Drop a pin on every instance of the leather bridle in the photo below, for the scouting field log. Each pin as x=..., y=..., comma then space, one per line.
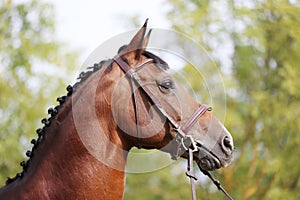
x=185, y=142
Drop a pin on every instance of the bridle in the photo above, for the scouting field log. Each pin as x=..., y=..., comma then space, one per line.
x=185, y=142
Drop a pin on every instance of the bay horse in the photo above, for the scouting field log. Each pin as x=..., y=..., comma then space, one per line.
x=120, y=103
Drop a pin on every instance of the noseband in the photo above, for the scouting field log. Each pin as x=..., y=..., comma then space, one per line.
x=184, y=141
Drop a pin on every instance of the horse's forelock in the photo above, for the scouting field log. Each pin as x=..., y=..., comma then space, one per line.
x=160, y=62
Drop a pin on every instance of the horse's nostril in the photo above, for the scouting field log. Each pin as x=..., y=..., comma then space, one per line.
x=227, y=142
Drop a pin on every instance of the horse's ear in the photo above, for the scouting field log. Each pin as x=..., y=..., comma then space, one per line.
x=137, y=45
x=146, y=40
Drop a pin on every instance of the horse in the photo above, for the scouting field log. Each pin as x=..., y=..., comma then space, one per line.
x=120, y=103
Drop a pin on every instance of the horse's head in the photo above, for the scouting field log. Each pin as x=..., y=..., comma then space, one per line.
x=152, y=110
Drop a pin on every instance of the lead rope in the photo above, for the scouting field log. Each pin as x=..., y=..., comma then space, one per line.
x=216, y=182
x=190, y=173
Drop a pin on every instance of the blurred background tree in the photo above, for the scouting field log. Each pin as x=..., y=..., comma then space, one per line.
x=256, y=45
x=31, y=62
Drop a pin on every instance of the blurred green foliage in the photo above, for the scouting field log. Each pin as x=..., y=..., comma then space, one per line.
x=30, y=59
x=261, y=42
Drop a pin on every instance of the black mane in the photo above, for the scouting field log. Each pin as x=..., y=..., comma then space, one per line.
x=53, y=112
x=159, y=62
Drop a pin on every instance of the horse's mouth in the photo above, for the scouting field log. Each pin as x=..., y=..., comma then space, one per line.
x=206, y=159
x=209, y=163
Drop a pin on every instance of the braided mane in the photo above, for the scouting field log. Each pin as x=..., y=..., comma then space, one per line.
x=70, y=90
x=53, y=112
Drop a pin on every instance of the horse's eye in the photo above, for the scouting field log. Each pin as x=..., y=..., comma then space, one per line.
x=166, y=85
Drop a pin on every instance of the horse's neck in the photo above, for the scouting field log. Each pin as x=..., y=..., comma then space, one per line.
x=65, y=164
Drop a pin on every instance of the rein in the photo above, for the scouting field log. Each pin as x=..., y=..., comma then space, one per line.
x=185, y=142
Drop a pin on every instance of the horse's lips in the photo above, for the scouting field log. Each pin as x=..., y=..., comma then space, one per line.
x=207, y=160
x=209, y=164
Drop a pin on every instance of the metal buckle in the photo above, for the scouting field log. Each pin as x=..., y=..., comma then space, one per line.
x=189, y=143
